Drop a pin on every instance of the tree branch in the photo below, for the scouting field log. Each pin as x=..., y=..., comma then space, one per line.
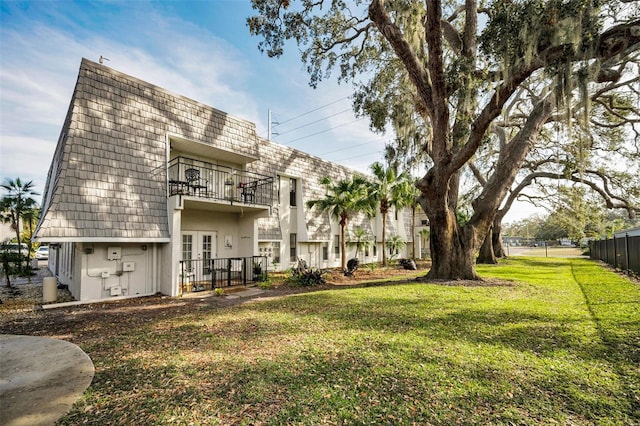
x=612, y=42
x=477, y=173
x=402, y=48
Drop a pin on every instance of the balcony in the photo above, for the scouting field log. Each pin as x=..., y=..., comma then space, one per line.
x=206, y=181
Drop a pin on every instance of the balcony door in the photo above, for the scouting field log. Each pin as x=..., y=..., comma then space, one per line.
x=198, y=248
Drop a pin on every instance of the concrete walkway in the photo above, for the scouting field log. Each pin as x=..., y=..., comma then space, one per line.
x=40, y=379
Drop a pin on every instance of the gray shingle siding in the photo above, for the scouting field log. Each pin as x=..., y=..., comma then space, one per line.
x=108, y=175
x=110, y=163
x=282, y=160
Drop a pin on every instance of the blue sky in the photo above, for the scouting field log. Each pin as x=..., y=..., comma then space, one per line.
x=199, y=49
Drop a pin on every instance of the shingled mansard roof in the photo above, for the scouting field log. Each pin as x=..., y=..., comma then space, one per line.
x=107, y=180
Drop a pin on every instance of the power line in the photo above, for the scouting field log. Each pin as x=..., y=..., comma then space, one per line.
x=322, y=131
x=357, y=156
x=313, y=110
x=314, y=122
x=351, y=147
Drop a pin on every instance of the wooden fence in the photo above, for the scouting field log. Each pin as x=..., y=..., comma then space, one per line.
x=621, y=253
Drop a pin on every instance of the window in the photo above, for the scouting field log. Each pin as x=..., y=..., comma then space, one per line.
x=325, y=251
x=279, y=201
x=336, y=245
x=276, y=251
x=375, y=249
x=292, y=192
x=292, y=247
x=207, y=251
x=207, y=247
x=187, y=249
x=366, y=251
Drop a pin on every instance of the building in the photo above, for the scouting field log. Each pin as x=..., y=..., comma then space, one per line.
x=150, y=191
x=630, y=232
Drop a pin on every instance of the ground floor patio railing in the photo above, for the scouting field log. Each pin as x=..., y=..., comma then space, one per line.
x=209, y=274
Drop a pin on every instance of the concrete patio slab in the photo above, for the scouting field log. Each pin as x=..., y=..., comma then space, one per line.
x=40, y=379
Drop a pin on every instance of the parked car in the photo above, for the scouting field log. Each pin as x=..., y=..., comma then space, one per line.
x=42, y=253
x=15, y=248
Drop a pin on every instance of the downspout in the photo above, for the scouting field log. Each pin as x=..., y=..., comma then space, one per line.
x=154, y=271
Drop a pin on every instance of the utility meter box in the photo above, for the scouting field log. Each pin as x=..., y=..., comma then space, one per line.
x=128, y=266
x=114, y=253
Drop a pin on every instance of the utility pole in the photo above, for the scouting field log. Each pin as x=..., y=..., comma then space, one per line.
x=270, y=131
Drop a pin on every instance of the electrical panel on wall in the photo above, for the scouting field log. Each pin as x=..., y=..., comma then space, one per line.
x=114, y=253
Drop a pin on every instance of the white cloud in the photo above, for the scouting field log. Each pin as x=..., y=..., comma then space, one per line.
x=40, y=66
x=40, y=63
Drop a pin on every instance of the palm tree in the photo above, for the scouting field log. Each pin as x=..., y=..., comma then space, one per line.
x=394, y=245
x=16, y=202
x=389, y=190
x=424, y=236
x=344, y=199
x=30, y=218
x=359, y=238
x=409, y=193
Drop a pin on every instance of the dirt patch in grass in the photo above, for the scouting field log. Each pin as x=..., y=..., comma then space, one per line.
x=375, y=272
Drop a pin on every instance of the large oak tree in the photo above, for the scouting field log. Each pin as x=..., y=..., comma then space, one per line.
x=447, y=71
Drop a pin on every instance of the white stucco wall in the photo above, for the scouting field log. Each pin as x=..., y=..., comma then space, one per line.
x=92, y=260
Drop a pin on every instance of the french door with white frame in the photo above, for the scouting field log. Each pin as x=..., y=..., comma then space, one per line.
x=201, y=247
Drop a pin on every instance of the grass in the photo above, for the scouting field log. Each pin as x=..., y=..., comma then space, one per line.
x=550, y=251
x=558, y=343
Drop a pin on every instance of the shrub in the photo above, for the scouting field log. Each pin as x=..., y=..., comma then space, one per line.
x=306, y=277
x=265, y=284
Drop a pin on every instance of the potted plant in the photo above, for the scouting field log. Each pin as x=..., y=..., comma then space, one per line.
x=257, y=268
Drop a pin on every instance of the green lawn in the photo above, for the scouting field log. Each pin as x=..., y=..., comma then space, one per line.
x=558, y=344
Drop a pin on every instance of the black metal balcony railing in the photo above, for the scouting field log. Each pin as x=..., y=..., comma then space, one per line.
x=208, y=274
x=204, y=180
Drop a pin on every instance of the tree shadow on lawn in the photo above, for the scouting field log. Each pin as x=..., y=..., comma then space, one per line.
x=316, y=385
x=418, y=312
x=538, y=334
x=537, y=262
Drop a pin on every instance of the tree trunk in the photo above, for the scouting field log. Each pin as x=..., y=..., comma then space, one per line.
x=413, y=231
x=452, y=247
x=384, y=240
x=6, y=268
x=486, y=256
x=450, y=256
x=496, y=238
x=343, y=246
x=17, y=223
x=29, y=243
